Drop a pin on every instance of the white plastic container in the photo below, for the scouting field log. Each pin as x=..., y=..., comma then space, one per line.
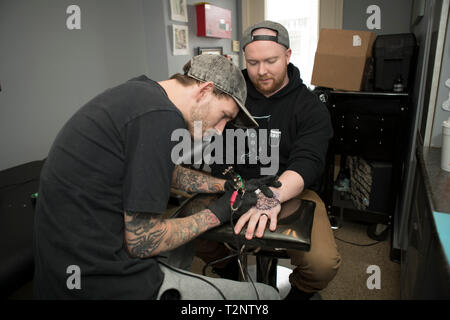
x=445, y=152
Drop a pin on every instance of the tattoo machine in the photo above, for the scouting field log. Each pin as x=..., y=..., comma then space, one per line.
x=238, y=185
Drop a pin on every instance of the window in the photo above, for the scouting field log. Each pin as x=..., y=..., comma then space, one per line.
x=301, y=19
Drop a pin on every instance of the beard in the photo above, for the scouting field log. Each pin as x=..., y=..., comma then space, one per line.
x=271, y=86
x=198, y=123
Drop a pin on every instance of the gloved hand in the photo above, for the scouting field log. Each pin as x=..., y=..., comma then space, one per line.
x=262, y=184
x=250, y=198
x=222, y=206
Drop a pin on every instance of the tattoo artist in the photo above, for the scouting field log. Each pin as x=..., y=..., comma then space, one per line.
x=106, y=183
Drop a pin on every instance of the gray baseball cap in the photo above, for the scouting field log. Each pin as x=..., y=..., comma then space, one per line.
x=282, y=36
x=226, y=78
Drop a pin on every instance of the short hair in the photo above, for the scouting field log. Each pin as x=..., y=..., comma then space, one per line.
x=186, y=81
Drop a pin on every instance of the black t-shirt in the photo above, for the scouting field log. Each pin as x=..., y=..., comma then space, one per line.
x=113, y=155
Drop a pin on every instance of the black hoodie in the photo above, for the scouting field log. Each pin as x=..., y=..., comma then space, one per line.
x=304, y=123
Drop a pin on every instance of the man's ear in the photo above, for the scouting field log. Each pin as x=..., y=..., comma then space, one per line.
x=204, y=88
x=288, y=55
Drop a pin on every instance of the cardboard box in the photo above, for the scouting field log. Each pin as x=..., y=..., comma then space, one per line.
x=341, y=58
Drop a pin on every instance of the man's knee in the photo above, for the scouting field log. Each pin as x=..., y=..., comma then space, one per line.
x=323, y=259
x=324, y=267
x=316, y=271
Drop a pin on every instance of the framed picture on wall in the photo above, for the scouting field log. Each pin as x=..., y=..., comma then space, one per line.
x=180, y=40
x=210, y=50
x=178, y=10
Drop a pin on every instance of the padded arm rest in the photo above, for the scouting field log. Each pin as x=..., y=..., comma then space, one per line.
x=293, y=231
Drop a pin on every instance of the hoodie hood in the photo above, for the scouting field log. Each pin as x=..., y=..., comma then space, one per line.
x=295, y=82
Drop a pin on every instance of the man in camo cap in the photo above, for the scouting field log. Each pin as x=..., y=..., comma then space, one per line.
x=106, y=183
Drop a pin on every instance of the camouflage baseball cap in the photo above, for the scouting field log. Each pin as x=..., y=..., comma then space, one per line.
x=282, y=36
x=226, y=78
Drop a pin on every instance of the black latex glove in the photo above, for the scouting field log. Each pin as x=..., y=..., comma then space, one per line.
x=262, y=184
x=222, y=207
x=243, y=204
x=250, y=198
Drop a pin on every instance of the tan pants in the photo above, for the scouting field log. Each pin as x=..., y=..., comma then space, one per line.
x=314, y=269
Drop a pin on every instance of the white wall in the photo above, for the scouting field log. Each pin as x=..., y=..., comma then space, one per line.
x=47, y=72
x=395, y=15
x=176, y=63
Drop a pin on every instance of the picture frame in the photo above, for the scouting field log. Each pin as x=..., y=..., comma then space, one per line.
x=210, y=50
x=180, y=40
x=178, y=10
x=235, y=59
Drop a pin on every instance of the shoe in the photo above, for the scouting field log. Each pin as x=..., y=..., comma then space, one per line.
x=297, y=294
x=171, y=294
x=230, y=271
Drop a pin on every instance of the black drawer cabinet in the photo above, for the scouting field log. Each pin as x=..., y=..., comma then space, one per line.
x=369, y=125
x=373, y=126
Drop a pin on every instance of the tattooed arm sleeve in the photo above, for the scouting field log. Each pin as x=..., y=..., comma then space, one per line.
x=193, y=181
x=147, y=236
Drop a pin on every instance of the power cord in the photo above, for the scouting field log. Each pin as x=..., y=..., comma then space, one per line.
x=236, y=252
x=239, y=256
x=239, y=187
x=194, y=276
x=217, y=261
x=357, y=244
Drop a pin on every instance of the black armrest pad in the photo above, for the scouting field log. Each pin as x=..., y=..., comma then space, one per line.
x=293, y=231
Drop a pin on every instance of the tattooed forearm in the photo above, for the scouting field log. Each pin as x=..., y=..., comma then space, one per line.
x=193, y=181
x=146, y=236
x=265, y=203
x=138, y=223
x=189, y=228
x=143, y=233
